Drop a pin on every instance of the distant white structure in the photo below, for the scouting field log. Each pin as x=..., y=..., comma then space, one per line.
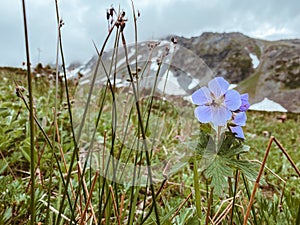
x=268, y=106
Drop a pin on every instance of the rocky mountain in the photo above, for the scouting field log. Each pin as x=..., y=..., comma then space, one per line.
x=261, y=68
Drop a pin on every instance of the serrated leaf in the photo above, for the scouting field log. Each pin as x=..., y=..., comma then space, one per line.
x=218, y=171
x=249, y=169
x=239, y=149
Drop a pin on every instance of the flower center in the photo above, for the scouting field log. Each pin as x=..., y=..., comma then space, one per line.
x=217, y=102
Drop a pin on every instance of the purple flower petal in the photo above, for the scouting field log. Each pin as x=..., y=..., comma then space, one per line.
x=218, y=86
x=245, y=104
x=238, y=132
x=220, y=115
x=203, y=113
x=240, y=119
x=233, y=100
x=201, y=96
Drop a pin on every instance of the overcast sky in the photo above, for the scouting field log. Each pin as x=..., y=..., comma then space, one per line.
x=85, y=21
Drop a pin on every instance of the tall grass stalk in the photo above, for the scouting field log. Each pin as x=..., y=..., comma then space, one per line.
x=139, y=114
x=234, y=196
x=31, y=120
x=65, y=192
x=55, y=123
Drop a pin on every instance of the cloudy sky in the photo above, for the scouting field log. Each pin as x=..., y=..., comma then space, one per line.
x=85, y=21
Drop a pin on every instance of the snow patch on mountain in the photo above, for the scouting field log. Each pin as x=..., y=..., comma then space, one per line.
x=255, y=60
x=169, y=85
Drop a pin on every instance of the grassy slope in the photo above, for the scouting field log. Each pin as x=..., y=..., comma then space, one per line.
x=14, y=147
x=249, y=85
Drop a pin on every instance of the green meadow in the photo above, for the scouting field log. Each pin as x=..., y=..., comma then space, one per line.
x=92, y=196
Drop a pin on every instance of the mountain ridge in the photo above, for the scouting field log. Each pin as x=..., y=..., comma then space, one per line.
x=259, y=67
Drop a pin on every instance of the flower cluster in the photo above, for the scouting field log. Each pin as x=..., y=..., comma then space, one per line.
x=219, y=105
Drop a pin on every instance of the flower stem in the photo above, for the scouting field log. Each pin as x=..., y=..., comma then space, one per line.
x=197, y=190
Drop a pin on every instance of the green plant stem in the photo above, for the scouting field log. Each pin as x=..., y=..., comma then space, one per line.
x=298, y=216
x=234, y=195
x=197, y=190
x=64, y=72
x=75, y=152
x=136, y=46
x=31, y=119
x=54, y=130
x=248, y=195
x=210, y=201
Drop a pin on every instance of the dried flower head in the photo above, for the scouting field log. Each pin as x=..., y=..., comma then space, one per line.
x=174, y=40
x=121, y=22
x=20, y=90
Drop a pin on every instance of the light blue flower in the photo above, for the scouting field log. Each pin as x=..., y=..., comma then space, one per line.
x=245, y=104
x=239, y=120
x=216, y=103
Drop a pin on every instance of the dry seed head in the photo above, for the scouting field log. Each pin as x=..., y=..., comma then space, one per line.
x=20, y=89
x=107, y=14
x=111, y=11
x=121, y=21
x=158, y=61
x=61, y=23
x=174, y=40
x=122, y=26
x=152, y=44
x=167, y=50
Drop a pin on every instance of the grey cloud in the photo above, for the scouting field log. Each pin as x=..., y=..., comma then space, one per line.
x=85, y=21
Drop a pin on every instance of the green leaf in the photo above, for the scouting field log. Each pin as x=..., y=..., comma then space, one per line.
x=165, y=220
x=249, y=169
x=25, y=154
x=239, y=149
x=226, y=144
x=193, y=221
x=3, y=166
x=218, y=171
x=25, y=149
x=202, y=143
x=4, y=112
